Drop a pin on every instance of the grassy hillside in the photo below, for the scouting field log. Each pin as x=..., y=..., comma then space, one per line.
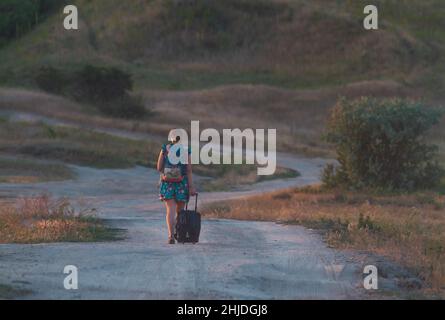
x=251, y=63
x=201, y=44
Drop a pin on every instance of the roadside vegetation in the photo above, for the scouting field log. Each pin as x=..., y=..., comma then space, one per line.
x=43, y=220
x=18, y=170
x=253, y=63
x=74, y=146
x=8, y=292
x=386, y=195
x=382, y=144
x=227, y=177
x=107, y=88
x=84, y=147
x=408, y=228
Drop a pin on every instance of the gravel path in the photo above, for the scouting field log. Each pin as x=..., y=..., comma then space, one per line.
x=234, y=260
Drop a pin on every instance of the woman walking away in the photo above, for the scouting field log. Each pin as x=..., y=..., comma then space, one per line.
x=176, y=185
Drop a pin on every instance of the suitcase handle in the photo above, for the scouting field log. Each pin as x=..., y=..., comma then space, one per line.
x=196, y=203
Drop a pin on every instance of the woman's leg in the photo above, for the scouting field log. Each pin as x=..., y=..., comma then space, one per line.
x=179, y=206
x=182, y=194
x=170, y=205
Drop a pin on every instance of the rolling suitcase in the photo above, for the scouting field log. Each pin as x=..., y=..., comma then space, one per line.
x=188, y=225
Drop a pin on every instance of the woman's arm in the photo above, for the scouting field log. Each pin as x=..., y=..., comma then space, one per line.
x=192, y=189
x=160, y=165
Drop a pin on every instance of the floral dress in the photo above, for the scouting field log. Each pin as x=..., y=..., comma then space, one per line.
x=178, y=191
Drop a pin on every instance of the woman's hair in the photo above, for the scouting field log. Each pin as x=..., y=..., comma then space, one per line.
x=175, y=140
x=174, y=136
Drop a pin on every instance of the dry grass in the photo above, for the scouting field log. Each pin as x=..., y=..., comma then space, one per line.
x=291, y=43
x=16, y=170
x=42, y=220
x=410, y=229
x=63, y=109
x=227, y=177
x=75, y=146
x=298, y=115
x=99, y=150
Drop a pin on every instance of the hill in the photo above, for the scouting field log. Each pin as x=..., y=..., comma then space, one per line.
x=248, y=63
x=193, y=44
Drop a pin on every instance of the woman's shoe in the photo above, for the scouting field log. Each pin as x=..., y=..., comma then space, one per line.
x=171, y=241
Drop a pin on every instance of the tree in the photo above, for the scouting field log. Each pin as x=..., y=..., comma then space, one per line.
x=103, y=84
x=381, y=144
x=51, y=79
x=109, y=89
x=16, y=17
x=19, y=16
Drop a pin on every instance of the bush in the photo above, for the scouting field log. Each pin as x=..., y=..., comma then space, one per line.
x=107, y=88
x=16, y=17
x=380, y=144
x=103, y=84
x=51, y=80
x=19, y=16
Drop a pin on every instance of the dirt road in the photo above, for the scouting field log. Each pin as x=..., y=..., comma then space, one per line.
x=234, y=260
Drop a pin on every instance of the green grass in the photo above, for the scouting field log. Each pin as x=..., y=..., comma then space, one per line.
x=441, y=187
x=227, y=177
x=167, y=79
x=280, y=173
x=99, y=231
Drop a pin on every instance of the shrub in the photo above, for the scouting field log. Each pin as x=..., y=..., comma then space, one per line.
x=367, y=224
x=103, y=84
x=380, y=144
x=17, y=17
x=107, y=88
x=330, y=177
x=44, y=220
x=51, y=80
